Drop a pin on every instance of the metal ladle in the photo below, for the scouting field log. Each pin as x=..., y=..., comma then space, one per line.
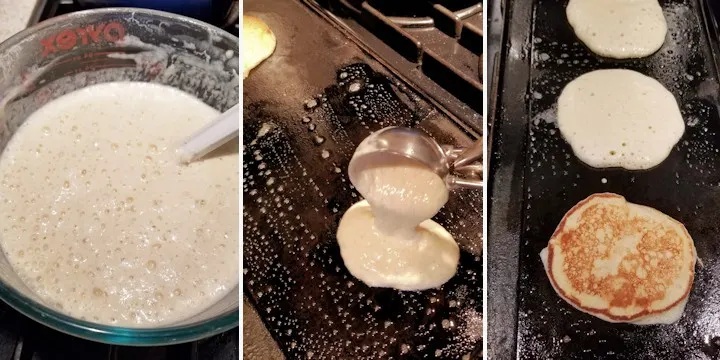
x=459, y=167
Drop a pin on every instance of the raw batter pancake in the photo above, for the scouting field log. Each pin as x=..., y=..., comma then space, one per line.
x=258, y=43
x=425, y=260
x=388, y=240
x=102, y=222
x=618, y=28
x=619, y=118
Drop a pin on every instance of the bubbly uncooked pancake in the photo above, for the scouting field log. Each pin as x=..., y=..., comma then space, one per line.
x=619, y=118
x=388, y=239
x=621, y=262
x=258, y=43
x=426, y=260
x=101, y=221
x=618, y=28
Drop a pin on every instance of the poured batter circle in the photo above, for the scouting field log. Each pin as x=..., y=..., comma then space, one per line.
x=389, y=240
x=618, y=28
x=619, y=118
x=426, y=260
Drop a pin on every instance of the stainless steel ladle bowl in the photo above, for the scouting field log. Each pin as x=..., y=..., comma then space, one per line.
x=459, y=167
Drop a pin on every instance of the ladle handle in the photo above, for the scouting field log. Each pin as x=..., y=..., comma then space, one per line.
x=463, y=161
x=454, y=182
x=469, y=155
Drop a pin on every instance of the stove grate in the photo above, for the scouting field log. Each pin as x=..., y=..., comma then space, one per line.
x=438, y=47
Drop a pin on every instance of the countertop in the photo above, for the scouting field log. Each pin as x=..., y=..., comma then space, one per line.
x=258, y=344
x=14, y=16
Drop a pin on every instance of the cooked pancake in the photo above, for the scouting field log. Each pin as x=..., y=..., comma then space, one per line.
x=618, y=28
x=258, y=43
x=621, y=262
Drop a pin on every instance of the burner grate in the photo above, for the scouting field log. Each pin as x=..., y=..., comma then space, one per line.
x=424, y=14
x=436, y=46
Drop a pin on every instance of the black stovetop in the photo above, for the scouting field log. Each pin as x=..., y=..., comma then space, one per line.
x=23, y=339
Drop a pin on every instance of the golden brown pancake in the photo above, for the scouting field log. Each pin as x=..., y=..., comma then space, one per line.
x=621, y=262
x=258, y=43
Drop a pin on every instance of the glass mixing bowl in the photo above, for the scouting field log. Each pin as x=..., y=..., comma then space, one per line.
x=72, y=51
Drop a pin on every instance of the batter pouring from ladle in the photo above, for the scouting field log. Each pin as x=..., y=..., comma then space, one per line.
x=389, y=239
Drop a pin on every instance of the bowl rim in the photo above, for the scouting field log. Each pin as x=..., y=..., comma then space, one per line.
x=94, y=331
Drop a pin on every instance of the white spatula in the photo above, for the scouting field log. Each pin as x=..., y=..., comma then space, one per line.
x=221, y=130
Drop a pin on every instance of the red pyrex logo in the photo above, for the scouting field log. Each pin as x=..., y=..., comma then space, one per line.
x=69, y=38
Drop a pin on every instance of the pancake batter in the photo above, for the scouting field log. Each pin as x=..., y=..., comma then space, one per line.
x=388, y=240
x=102, y=222
x=618, y=29
x=619, y=118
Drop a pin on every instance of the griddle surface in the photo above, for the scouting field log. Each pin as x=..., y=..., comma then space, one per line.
x=686, y=186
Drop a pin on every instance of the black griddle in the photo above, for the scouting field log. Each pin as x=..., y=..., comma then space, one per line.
x=535, y=178
x=301, y=124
